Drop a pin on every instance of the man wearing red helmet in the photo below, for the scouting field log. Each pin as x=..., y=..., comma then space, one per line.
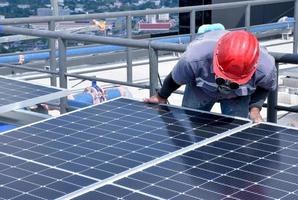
x=225, y=67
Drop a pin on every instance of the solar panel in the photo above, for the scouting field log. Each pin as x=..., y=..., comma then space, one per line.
x=257, y=163
x=106, y=140
x=115, y=192
x=15, y=94
x=21, y=179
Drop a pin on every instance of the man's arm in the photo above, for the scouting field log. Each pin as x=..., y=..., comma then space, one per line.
x=256, y=102
x=168, y=87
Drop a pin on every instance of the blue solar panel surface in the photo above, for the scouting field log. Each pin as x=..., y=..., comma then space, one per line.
x=115, y=192
x=22, y=180
x=107, y=139
x=12, y=91
x=257, y=163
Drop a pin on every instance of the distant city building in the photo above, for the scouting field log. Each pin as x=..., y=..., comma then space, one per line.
x=161, y=26
x=78, y=10
x=72, y=26
x=48, y=11
x=23, y=6
x=44, y=12
x=140, y=2
x=164, y=17
x=161, y=22
x=61, y=2
x=156, y=2
x=2, y=17
x=151, y=18
x=3, y=3
x=117, y=4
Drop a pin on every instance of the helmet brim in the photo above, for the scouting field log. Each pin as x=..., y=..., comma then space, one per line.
x=220, y=73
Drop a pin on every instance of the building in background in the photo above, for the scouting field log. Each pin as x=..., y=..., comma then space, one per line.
x=48, y=11
x=156, y=23
x=202, y=17
x=233, y=17
x=3, y=3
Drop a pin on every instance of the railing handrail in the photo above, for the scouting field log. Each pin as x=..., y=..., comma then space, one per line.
x=39, y=19
x=95, y=39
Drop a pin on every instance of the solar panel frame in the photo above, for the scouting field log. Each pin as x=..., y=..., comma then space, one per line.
x=14, y=90
x=17, y=134
x=248, y=177
x=158, y=160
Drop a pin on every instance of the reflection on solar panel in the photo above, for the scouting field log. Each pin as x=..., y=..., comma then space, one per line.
x=257, y=163
x=103, y=141
x=111, y=138
x=16, y=94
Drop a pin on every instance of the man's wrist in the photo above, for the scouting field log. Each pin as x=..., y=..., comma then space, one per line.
x=161, y=99
x=255, y=110
x=159, y=95
x=255, y=115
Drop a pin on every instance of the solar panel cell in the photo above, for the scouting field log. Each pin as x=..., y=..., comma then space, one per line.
x=22, y=179
x=99, y=142
x=237, y=168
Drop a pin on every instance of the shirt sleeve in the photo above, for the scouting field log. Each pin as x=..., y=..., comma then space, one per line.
x=267, y=81
x=258, y=98
x=266, y=72
x=183, y=73
x=168, y=87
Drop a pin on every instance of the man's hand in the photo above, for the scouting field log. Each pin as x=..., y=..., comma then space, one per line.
x=255, y=115
x=155, y=99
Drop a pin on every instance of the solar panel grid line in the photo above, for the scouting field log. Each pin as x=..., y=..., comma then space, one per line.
x=21, y=179
x=156, y=185
x=25, y=139
x=64, y=170
x=247, y=163
x=163, y=188
x=114, y=193
x=62, y=115
x=30, y=134
x=48, y=166
x=18, y=94
x=153, y=162
x=272, y=189
x=51, y=167
x=20, y=82
x=252, y=183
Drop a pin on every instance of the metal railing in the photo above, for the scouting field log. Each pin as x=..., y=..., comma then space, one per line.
x=152, y=46
x=51, y=20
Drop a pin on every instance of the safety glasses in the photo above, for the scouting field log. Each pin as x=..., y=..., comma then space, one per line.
x=222, y=82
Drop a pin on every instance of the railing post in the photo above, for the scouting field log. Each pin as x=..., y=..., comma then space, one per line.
x=53, y=63
x=192, y=25
x=62, y=72
x=272, y=101
x=295, y=39
x=129, y=51
x=247, y=16
x=153, y=67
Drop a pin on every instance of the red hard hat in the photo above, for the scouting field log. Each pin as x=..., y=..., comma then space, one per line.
x=235, y=56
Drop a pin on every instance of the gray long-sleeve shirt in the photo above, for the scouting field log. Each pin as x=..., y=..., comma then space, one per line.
x=196, y=67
